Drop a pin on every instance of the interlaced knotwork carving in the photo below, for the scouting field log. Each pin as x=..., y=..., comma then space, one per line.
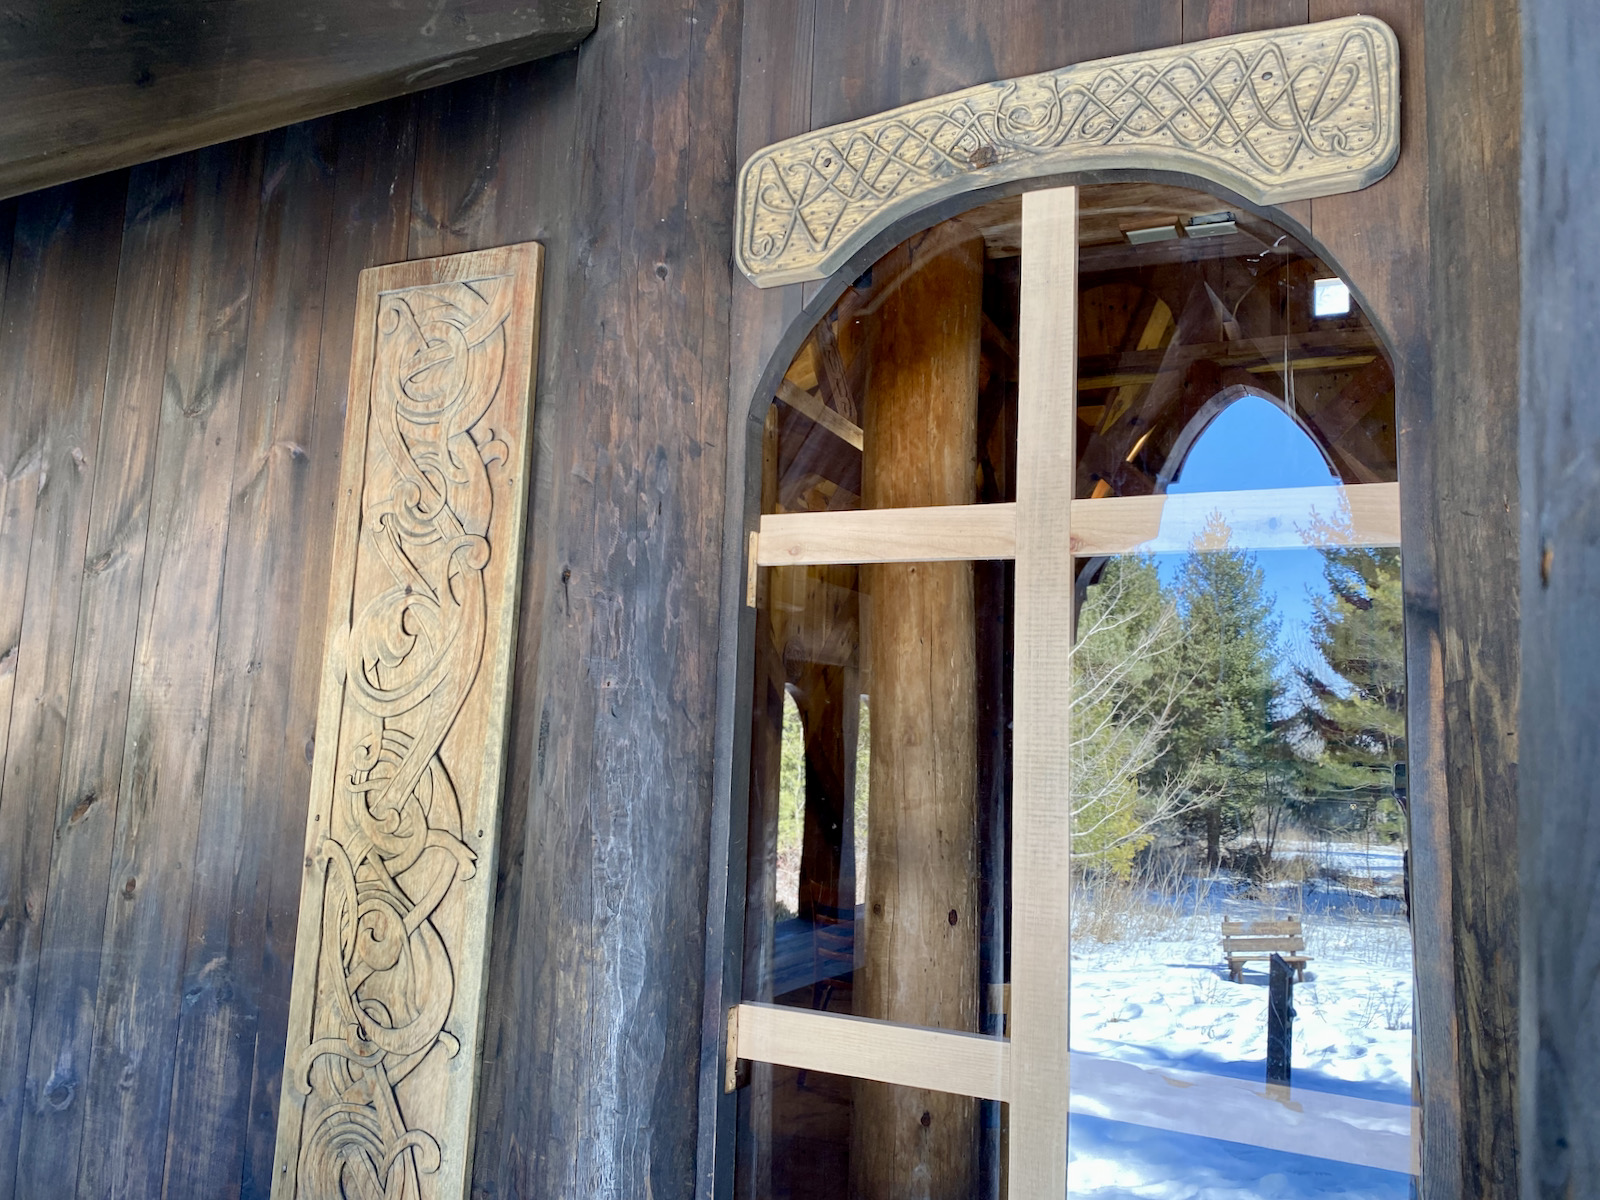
x=387, y=989
x=1275, y=116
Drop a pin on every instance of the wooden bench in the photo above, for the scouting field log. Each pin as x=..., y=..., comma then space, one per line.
x=1244, y=941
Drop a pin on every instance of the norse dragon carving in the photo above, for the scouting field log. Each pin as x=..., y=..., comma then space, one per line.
x=397, y=833
x=1275, y=116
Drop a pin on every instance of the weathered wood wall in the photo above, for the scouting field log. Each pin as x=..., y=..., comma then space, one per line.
x=174, y=344
x=173, y=349
x=1560, y=481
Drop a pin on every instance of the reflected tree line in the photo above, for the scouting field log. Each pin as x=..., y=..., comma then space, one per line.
x=1196, y=722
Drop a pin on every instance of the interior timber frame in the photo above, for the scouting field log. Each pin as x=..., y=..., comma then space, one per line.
x=734, y=1031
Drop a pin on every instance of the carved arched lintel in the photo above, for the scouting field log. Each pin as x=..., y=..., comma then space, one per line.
x=1276, y=116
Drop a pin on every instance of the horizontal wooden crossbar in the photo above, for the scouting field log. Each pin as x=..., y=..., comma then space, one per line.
x=1370, y=1133
x=940, y=1060
x=1271, y=519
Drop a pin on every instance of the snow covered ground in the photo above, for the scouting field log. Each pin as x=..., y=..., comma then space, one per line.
x=1162, y=998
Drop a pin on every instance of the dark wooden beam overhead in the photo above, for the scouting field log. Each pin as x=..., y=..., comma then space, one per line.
x=107, y=83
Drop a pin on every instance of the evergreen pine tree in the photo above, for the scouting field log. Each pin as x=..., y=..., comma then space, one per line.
x=1354, y=707
x=1223, y=731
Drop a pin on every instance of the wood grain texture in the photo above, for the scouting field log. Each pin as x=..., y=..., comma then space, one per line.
x=1559, y=433
x=255, y=756
x=373, y=153
x=1041, y=851
x=96, y=86
x=1223, y=18
x=64, y=1000
x=919, y=963
x=1475, y=83
x=128, y=1089
x=386, y=1016
x=57, y=319
x=889, y=535
x=604, y=1038
x=807, y=205
x=909, y=1056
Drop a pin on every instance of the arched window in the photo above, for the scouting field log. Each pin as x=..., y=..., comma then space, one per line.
x=1077, y=577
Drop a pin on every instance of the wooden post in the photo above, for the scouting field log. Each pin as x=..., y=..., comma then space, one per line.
x=1280, y=1020
x=920, y=963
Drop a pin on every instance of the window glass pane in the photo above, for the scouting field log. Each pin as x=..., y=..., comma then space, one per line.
x=805, y=1135
x=1240, y=767
x=880, y=736
x=905, y=393
x=1172, y=331
x=880, y=791
x=1237, y=722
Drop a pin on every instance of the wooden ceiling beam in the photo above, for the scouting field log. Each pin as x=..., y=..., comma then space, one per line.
x=99, y=85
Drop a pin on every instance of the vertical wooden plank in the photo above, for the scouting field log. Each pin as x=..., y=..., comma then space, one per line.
x=535, y=106
x=131, y=1073
x=57, y=323
x=1041, y=820
x=254, y=763
x=1474, y=94
x=97, y=703
x=614, y=872
x=454, y=193
x=1222, y=18
x=370, y=224
x=1560, y=479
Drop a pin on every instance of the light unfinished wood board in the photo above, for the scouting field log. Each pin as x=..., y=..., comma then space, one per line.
x=886, y=535
x=1369, y=1133
x=1363, y=514
x=386, y=1013
x=1041, y=821
x=966, y=1064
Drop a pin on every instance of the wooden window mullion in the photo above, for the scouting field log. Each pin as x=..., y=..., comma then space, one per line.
x=1041, y=812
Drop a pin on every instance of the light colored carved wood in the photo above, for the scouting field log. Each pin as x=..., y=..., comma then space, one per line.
x=386, y=1013
x=1270, y=519
x=1274, y=116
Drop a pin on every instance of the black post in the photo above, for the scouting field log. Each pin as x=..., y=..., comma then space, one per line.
x=1280, y=1020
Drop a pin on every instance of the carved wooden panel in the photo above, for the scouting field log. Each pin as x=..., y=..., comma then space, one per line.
x=387, y=1007
x=1275, y=116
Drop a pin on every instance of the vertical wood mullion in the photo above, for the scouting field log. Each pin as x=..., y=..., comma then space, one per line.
x=1041, y=831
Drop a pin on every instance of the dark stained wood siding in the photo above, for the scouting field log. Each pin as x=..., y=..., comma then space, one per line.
x=173, y=349
x=1474, y=68
x=1560, y=484
x=170, y=421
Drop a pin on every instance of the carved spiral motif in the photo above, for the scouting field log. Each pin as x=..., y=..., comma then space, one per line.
x=396, y=847
x=1275, y=116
